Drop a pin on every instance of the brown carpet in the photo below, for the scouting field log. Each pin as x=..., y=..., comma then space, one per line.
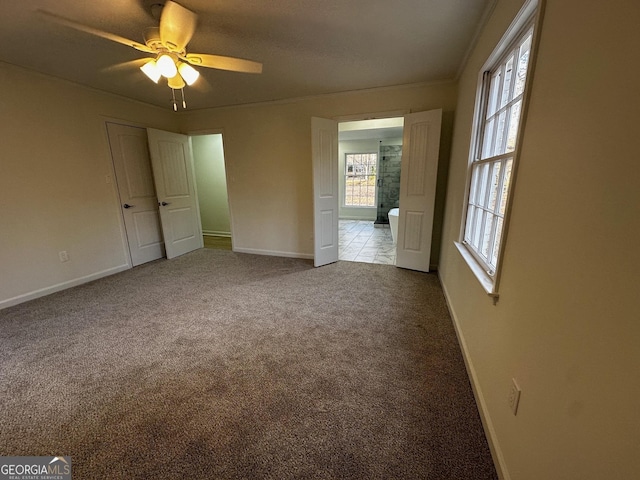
x=231, y=366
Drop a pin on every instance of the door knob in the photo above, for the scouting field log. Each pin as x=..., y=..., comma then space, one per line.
x=126, y=205
x=164, y=204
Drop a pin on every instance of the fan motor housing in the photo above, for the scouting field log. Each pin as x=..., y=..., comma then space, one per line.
x=152, y=37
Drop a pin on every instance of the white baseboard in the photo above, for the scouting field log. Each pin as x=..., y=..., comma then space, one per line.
x=215, y=233
x=494, y=445
x=61, y=286
x=273, y=253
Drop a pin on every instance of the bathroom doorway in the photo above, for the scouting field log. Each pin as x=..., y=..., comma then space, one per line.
x=369, y=155
x=420, y=147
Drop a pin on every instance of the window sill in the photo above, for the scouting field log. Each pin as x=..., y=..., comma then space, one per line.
x=488, y=283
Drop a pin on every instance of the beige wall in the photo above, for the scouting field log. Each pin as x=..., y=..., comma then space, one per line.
x=268, y=159
x=567, y=323
x=56, y=160
x=54, y=193
x=211, y=182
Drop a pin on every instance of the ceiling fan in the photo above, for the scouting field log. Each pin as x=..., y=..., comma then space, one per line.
x=167, y=43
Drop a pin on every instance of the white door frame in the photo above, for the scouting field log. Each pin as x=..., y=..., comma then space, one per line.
x=328, y=257
x=392, y=114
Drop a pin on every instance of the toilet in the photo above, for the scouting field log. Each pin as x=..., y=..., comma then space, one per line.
x=394, y=213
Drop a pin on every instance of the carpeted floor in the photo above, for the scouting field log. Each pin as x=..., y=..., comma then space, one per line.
x=220, y=365
x=219, y=243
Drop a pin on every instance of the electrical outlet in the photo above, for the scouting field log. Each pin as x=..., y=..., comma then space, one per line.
x=514, y=396
x=64, y=256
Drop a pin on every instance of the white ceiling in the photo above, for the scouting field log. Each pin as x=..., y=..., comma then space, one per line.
x=308, y=47
x=374, y=129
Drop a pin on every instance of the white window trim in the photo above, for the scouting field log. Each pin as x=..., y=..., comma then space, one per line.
x=530, y=14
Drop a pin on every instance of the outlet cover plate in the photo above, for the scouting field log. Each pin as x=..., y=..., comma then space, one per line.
x=514, y=396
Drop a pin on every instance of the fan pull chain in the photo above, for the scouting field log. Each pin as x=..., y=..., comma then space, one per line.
x=184, y=103
x=175, y=104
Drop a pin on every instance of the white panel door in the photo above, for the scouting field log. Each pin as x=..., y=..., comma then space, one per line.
x=420, y=149
x=172, y=163
x=324, y=142
x=138, y=200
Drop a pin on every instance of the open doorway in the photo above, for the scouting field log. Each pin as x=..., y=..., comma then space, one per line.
x=156, y=172
x=369, y=165
x=211, y=183
x=420, y=150
x=156, y=188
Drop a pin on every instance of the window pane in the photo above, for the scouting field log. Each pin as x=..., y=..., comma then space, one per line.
x=493, y=262
x=349, y=165
x=505, y=185
x=348, y=197
x=357, y=160
x=482, y=185
x=498, y=148
x=523, y=63
x=506, y=89
x=492, y=104
x=487, y=145
x=477, y=226
x=495, y=184
x=474, y=185
x=469, y=223
x=514, y=122
x=486, y=235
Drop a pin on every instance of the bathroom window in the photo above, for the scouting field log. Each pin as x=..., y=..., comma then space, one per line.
x=360, y=179
x=501, y=99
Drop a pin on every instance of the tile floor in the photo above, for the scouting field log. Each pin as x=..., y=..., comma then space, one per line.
x=360, y=241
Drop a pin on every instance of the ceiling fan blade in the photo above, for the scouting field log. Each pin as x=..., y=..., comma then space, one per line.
x=177, y=26
x=94, y=31
x=224, y=63
x=131, y=64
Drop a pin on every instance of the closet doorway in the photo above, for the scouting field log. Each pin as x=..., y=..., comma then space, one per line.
x=194, y=170
x=156, y=188
x=211, y=184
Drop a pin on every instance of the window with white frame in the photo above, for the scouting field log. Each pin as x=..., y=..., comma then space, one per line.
x=494, y=149
x=360, y=179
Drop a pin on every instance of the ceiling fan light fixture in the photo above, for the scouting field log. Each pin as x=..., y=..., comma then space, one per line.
x=167, y=66
x=151, y=70
x=168, y=42
x=188, y=73
x=176, y=82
